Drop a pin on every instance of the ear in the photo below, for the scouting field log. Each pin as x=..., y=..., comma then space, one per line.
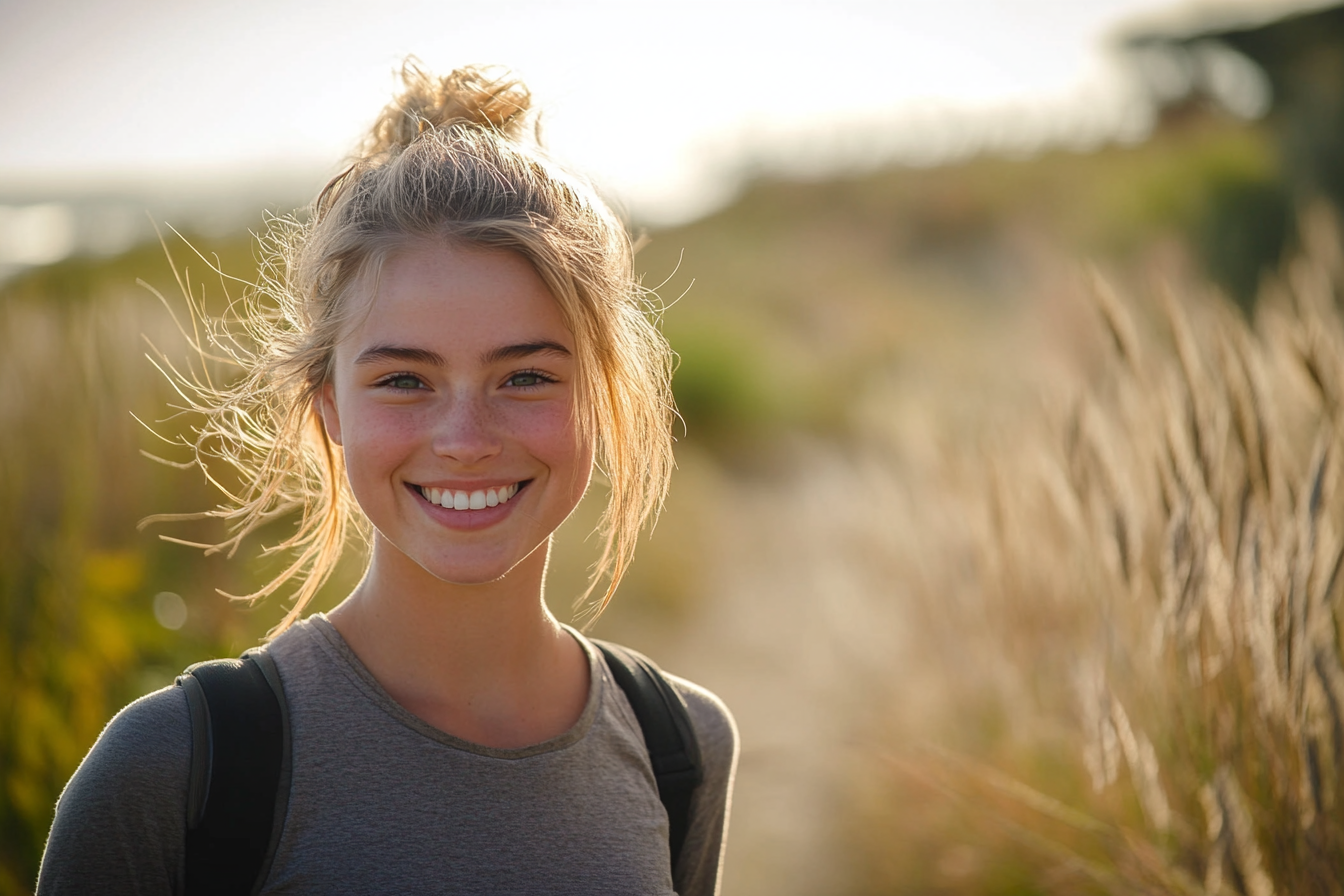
x=324, y=403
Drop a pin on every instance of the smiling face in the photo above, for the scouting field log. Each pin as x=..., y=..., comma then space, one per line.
x=453, y=399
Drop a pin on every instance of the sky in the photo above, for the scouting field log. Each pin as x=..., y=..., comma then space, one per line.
x=664, y=104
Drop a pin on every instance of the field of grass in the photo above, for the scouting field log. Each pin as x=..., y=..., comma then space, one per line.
x=1124, y=673
x=1013, y=587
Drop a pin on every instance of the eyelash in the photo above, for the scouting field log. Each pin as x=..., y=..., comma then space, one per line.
x=541, y=377
x=387, y=382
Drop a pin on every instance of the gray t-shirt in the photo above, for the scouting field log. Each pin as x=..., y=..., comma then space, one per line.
x=381, y=802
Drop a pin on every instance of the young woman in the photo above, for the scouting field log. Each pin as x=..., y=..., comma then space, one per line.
x=456, y=340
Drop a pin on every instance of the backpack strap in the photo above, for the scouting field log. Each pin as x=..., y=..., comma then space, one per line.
x=239, y=752
x=666, y=724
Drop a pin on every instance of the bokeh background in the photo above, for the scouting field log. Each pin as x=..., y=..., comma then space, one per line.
x=1006, y=509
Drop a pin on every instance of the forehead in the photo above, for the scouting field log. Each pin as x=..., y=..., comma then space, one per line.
x=458, y=295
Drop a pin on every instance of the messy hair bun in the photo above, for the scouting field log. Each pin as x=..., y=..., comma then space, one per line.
x=484, y=96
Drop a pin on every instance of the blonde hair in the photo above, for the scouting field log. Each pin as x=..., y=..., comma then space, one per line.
x=444, y=161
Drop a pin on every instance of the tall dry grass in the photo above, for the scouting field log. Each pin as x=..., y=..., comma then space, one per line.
x=1124, y=670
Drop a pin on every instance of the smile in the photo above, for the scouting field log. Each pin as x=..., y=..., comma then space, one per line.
x=452, y=499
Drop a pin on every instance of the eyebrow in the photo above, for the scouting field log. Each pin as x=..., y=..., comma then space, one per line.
x=523, y=350
x=380, y=353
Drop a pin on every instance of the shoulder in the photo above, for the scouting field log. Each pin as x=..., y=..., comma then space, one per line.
x=121, y=820
x=712, y=722
x=715, y=728
x=146, y=746
x=699, y=868
x=313, y=659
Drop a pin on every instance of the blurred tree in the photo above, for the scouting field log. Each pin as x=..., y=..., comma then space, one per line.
x=1290, y=69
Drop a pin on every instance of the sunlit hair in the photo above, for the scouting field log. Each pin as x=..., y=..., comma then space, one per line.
x=446, y=161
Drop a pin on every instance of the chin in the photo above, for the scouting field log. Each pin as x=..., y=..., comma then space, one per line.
x=486, y=572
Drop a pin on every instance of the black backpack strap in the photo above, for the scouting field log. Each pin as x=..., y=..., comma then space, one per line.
x=240, y=747
x=666, y=724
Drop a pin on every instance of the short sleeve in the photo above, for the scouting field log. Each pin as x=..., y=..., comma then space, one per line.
x=120, y=825
x=701, y=866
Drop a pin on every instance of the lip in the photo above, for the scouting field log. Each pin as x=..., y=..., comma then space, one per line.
x=466, y=520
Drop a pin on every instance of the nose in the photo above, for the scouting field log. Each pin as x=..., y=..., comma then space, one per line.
x=466, y=430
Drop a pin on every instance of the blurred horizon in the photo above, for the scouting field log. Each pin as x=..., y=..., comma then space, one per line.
x=670, y=108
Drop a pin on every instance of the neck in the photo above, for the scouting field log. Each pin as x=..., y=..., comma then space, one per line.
x=487, y=663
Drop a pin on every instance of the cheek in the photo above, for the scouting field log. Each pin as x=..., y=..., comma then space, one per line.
x=553, y=437
x=581, y=473
x=373, y=437
x=584, y=455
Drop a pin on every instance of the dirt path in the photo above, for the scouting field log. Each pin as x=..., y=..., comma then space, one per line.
x=799, y=624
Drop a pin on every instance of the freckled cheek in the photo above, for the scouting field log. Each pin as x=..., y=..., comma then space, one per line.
x=376, y=433
x=550, y=433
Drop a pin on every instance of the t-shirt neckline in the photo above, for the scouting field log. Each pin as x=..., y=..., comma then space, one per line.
x=336, y=647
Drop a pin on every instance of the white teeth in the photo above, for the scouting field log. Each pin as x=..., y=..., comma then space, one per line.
x=477, y=500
